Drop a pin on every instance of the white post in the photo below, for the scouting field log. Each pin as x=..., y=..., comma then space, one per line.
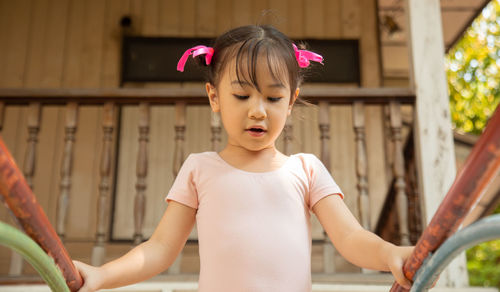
x=433, y=133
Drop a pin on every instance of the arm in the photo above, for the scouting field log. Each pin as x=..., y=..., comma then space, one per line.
x=147, y=259
x=357, y=245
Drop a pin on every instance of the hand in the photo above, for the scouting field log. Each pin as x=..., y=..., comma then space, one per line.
x=92, y=277
x=396, y=257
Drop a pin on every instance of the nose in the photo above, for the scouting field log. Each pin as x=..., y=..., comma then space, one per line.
x=257, y=109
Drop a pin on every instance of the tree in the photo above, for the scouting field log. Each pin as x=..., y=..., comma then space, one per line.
x=473, y=69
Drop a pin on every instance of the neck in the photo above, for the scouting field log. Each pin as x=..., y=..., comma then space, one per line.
x=243, y=153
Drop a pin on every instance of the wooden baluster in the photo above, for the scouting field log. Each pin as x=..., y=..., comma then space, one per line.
x=34, y=116
x=180, y=129
x=216, y=131
x=66, y=168
x=2, y=114
x=108, y=125
x=142, y=171
x=329, y=252
x=288, y=136
x=358, y=116
x=399, y=172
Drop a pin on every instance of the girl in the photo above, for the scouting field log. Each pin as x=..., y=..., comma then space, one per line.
x=251, y=203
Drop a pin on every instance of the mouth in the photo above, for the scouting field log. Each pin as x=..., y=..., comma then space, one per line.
x=256, y=130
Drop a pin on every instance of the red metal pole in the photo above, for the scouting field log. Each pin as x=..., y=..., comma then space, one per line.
x=479, y=170
x=21, y=200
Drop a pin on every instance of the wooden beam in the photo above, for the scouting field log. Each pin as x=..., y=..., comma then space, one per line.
x=192, y=95
x=435, y=153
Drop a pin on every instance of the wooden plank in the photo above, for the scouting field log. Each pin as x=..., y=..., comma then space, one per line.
x=150, y=18
x=206, y=14
x=87, y=149
x=92, y=43
x=54, y=45
x=351, y=28
x=296, y=19
x=17, y=43
x=4, y=28
x=369, y=46
x=377, y=161
x=137, y=13
x=35, y=54
x=194, y=93
x=188, y=18
x=123, y=223
x=241, y=13
x=170, y=21
x=279, y=11
x=110, y=65
x=260, y=13
x=74, y=45
x=333, y=19
x=314, y=19
x=224, y=8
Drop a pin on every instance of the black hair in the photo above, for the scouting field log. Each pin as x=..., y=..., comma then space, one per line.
x=246, y=44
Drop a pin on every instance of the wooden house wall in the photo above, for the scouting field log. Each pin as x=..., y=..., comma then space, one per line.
x=76, y=44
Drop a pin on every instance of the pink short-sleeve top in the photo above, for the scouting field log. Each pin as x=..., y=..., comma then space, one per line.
x=254, y=228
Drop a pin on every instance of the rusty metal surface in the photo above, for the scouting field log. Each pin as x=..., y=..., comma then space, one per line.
x=20, y=199
x=480, y=168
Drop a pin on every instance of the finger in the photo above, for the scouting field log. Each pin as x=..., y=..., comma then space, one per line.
x=401, y=279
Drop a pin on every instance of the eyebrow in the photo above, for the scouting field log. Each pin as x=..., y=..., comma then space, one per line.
x=273, y=85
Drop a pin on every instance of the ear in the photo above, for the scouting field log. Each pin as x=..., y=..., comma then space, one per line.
x=212, y=97
x=292, y=100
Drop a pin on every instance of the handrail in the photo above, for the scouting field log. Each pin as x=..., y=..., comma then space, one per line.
x=23, y=204
x=483, y=230
x=479, y=170
x=192, y=95
x=34, y=254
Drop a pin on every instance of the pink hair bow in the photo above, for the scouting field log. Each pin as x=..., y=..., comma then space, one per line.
x=304, y=57
x=195, y=51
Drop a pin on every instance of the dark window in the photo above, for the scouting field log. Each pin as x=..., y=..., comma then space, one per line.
x=146, y=59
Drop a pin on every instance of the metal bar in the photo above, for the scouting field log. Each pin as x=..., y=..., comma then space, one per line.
x=34, y=254
x=21, y=200
x=483, y=230
x=480, y=168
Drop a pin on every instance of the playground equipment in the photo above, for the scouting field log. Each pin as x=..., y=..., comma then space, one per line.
x=430, y=256
x=20, y=199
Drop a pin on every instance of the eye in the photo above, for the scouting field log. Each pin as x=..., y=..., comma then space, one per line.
x=274, y=99
x=242, y=97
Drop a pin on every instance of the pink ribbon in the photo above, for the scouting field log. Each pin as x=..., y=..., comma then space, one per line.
x=195, y=51
x=304, y=57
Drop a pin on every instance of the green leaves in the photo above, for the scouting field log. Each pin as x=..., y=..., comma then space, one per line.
x=473, y=70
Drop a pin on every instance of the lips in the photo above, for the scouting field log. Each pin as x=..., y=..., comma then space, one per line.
x=256, y=131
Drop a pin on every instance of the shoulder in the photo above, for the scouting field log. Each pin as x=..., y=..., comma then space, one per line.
x=308, y=159
x=195, y=159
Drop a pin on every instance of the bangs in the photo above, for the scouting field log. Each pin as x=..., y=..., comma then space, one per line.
x=255, y=52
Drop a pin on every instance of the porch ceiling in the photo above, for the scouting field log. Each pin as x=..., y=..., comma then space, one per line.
x=456, y=15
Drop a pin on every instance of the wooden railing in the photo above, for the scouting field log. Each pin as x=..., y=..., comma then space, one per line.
x=180, y=97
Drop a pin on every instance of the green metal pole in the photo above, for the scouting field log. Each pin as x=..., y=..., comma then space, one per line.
x=34, y=254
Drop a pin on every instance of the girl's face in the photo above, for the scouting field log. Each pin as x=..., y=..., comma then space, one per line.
x=253, y=119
